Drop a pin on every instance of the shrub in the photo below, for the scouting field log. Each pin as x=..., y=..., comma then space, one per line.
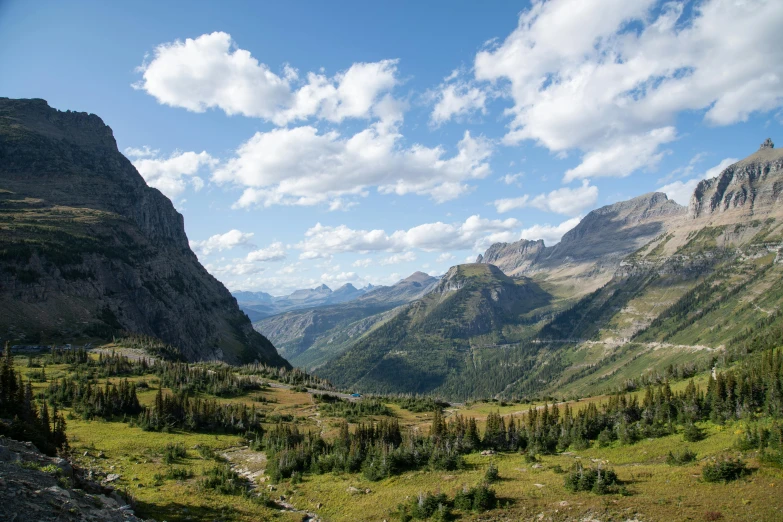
x=599, y=481
x=174, y=452
x=605, y=438
x=224, y=480
x=692, y=433
x=178, y=473
x=480, y=498
x=423, y=506
x=724, y=471
x=492, y=473
x=680, y=458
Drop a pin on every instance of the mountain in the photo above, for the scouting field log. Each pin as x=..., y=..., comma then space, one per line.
x=713, y=283
x=87, y=249
x=434, y=340
x=259, y=305
x=310, y=337
x=639, y=291
x=587, y=256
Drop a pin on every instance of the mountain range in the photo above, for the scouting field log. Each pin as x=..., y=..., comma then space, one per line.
x=88, y=250
x=311, y=336
x=639, y=287
x=258, y=305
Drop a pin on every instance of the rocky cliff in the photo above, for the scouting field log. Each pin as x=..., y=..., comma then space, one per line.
x=36, y=487
x=87, y=249
x=752, y=187
x=588, y=255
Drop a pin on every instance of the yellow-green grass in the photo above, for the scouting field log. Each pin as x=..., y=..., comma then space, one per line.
x=658, y=492
x=136, y=456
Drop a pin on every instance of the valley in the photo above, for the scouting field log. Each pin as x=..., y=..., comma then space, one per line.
x=632, y=371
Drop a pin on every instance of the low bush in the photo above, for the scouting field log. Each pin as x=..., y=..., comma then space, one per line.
x=492, y=474
x=224, y=480
x=480, y=498
x=599, y=481
x=692, y=433
x=724, y=471
x=680, y=458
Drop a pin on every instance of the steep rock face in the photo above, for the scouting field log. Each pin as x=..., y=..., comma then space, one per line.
x=88, y=249
x=513, y=257
x=752, y=186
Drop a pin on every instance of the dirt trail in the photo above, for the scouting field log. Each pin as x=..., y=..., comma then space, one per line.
x=251, y=465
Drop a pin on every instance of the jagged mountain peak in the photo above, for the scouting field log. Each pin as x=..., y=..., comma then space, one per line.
x=751, y=186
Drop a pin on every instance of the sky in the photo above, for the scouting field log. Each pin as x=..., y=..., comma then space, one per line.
x=312, y=143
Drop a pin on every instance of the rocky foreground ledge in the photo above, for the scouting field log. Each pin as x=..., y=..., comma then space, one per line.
x=34, y=486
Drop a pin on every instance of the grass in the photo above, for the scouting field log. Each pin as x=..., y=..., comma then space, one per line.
x=166, y=472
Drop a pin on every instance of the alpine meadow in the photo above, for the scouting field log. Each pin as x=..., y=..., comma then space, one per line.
x=402, y=261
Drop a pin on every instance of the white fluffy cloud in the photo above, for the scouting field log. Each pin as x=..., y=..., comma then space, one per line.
x=681, y=191
x=551, y=234
x=274, y=252
x=609, y=77
x=475, y=233
x=220, y=242
x=456, y=97
x=512, y=179
x=362, y=263
x=625, y=155
x=302, y=166
x=235, y=269
x=396, y=259
x=210, y=71
x=173, y=174
x=565, y=200
x=445, y=256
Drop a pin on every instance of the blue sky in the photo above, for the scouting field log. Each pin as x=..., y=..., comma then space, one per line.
x=314, y=142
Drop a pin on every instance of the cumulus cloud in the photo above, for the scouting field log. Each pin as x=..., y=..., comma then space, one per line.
x=551, y=234
x=445, y=256
x=234, y=269
x=396, y=259
x=623, y=156
x=512, y=179
x=220, y=242
x=274, y=252
x=211, y=71
x=339, y=279
x=302, y=166
x=565, y=200
x=173, y=174
x=609, y=77
x=363, y=263
x=475, y=233
x=456, y=97
x=681, y=191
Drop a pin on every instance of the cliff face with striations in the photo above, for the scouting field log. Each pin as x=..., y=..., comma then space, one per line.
x=88, y=249
x=752, y=186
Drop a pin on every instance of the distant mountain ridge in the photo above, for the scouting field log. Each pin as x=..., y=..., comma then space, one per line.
x=258, y=305
x=88, y=249
x=591, y=251
x=309, y=337
x=419, y=349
